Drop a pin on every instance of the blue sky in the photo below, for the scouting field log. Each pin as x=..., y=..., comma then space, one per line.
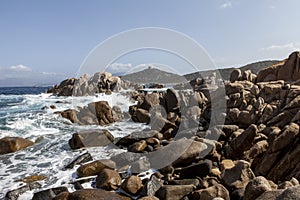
x=54, y=37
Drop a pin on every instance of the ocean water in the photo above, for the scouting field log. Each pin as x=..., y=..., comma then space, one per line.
x=21, y=114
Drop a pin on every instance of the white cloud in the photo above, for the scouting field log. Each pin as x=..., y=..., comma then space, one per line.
x=119, y=68
x=292, y=46
x=16, y=68
x=21, y=75
x=227, y=4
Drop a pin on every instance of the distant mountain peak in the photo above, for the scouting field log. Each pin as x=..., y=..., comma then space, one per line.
x=154, y=75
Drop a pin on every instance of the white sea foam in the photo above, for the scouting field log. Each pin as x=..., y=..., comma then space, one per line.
x=51, y=152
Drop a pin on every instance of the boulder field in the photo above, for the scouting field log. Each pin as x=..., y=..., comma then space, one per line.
x=254, y=154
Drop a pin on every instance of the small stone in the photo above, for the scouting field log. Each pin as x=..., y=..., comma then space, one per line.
x=132, y=184
x=226, y=164
x=138, y=146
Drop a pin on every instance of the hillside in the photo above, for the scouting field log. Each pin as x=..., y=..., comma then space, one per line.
x=225, y=73
x=154, y=75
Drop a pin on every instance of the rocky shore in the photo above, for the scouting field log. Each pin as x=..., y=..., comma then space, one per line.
x=254, y=154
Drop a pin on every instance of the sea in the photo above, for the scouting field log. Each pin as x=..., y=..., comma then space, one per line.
x=25, y=112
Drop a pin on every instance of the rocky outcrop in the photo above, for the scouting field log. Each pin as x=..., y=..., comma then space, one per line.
x=101, y=82
x=13, y=144
x=254, y=155
x=94, y=113
x=288, y=70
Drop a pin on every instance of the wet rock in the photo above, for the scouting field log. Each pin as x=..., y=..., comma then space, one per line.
x=14, y=194
x=52, y=106
x=173, y=192
x=95, y=167
x=132, y=184
x=49, y=194
x=238, y=176
x=108, y=179
x=65, y=88
x=91, y=138
x=212, y=192
x=83, y=158
x=94, y=194
x=13, y=144
x=256, y=187
x=33, y=178
x=103, y=112
x=70, y=114
x=117, y=114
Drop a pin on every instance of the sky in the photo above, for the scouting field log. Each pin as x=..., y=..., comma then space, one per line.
x=42, y=42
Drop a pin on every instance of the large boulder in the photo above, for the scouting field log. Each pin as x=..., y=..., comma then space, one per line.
x=238, y=176
x=90, y=138
x=287, y=70
x=178, y=152
x=211, y=193
x=172, y=192
x=242, y=143
x=70, y=114
x=49, y=193
x=103, y=112
x=235, y=75
x=108, y=179
x=132, y=184
x=256, y=187
x=95, y=167
x=94, y=194
x=13, y=144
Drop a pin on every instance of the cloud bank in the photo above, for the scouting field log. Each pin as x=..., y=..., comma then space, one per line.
x=21, y=75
